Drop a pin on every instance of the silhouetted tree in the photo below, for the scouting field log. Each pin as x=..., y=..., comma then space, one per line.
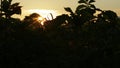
x=109, y=17
x=8, y=9
x=79, y=40
x=83, y=13
x=56, y=23
x=32, y=22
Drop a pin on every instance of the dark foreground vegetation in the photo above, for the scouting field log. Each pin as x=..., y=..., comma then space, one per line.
x=81, y=39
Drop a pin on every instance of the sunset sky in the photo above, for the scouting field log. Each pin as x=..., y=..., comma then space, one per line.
x=58, y=5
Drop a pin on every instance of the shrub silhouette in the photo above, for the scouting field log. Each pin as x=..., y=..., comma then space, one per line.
x=83, y=13
x=8, y=9
x=79, y=40
x=32, y=22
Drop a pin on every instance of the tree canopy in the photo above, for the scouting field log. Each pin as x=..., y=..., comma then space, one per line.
x=81, y=39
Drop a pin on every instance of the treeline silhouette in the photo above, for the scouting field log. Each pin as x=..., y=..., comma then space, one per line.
x=80, y=39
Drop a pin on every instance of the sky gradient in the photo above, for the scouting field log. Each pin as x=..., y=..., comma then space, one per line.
x=60, y=4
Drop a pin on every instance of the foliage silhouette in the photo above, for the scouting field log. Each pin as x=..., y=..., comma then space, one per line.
x=79, y=40
x=32, y=22
x=8, y=9
x=84, y=12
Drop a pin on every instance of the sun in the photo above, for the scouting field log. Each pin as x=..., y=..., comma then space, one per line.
x=41, y=20
x=44, y=14
x=48, y=14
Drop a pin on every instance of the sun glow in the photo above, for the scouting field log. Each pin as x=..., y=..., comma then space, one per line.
x=45, y=13
x=41, y=20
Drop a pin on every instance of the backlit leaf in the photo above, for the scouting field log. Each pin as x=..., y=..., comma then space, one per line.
x=82, y=1
x=91, y=1
x=93, y=6
x=68, y=9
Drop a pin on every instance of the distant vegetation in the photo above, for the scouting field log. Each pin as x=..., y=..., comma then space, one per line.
x=82, y=39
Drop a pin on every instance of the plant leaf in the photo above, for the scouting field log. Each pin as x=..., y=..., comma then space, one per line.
x=10, y=1
x=92, y=6
x=91, y=1
x=98, y=9
x=68, y=9
x=82, y=1
x=15, y=4
x=17, y=10
x=79, y=8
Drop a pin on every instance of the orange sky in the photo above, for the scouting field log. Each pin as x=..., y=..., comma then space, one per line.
x=58, y=5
